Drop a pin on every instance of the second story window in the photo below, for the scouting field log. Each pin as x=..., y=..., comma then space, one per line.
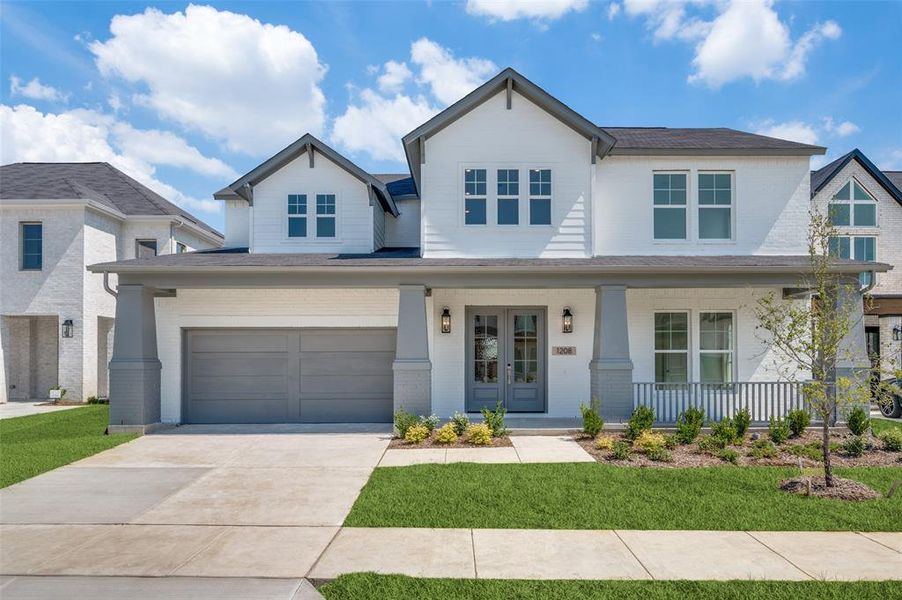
x=145, y=248
x=325, y=215
x=858, y=247
x=853, y=206
x=508, y=197
x=31, y=246
x=670, y=206
x=297, y=215
x=715, y=206
x=540, y=196
x=474, y=197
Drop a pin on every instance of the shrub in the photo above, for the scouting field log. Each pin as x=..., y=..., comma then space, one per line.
x=648, y=441
x=729, y=455
x=858, y=422
x=641, y=420
x=764, y=448
x=891, y=440
x=416, y=433
x=96, y=400
x=460, y=422
x=854, y=446
x=812, y=450
x=671, y=441
x=430, y=422
x=604, y=442
x=621, y=450
x=689, y=424
x=404, y=421
x=592, y=422
x=495, y=420
x=446, y=434
x=709, y=444
x=798, y=420
x=479, y=434
x=659, y=455
x=741, y=421
x=725, y=430
x=778, y=430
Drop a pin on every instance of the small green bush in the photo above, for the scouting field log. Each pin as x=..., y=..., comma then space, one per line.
x=446, y=434
x=620, y=450
x=96, y=400
x=404, y=421
x=729, y=455
x=641, y=420
x=891, y=440
x=812, y=450
x=710, y=444
x=778, y=430
x=741, y=421
x=460, y=422
x=858, y=421
x=764, y=448
x=495, y=420
x=671, y=441
x=659, y=455
x=416, y=434
x=479, y=434
x=430, y=422
x=689, y=424
x=798, y=420
x=854, y=446
x=592, y=422
x=725, y=430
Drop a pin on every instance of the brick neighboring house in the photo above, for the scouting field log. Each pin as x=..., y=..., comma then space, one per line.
x=56, y=319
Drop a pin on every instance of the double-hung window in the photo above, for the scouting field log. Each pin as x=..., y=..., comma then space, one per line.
x=670, y=206
x=31, y=246
x=671, y=347
x=474, y=196
x=716, y=347
x=540, y=196
x=715, y=206
x=297, y=215
x=853, y=206
x=508, y=197
x=858, y=247
x=325, y=215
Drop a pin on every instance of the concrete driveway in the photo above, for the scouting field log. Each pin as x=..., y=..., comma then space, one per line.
x=196, y=502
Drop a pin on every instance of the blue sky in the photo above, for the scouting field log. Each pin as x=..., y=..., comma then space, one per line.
x=186, y=97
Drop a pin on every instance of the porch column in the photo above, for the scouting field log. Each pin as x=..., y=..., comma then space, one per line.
x=134, y=367
x=611, y=368
x=412, y=368
x=852, y=355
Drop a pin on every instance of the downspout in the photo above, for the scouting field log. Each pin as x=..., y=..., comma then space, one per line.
x=106, y=285
x=871, y=285
x=173, y=225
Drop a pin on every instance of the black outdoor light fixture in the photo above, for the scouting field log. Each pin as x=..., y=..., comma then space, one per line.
x=446, y=320
x=897, y=333
x=68, y=328
x=567, y=320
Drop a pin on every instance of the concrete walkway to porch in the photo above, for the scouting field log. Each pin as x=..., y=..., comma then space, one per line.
x=23, y=408
x=526, y=449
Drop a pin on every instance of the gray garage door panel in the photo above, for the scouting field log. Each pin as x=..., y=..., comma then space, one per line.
x=288, y=375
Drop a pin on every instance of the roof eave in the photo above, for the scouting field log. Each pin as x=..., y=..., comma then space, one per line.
x=812, y=151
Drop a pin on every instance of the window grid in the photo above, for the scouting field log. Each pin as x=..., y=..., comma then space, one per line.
x=716, y=347
x=297, y=215
x=540, y=196
x=32, y=246
x=670, y=199
x=857, y=247
x=715, y=206
x=325, y=215
x=508, y=201
x=671, y=348
x=474, y=196
x=853, y=206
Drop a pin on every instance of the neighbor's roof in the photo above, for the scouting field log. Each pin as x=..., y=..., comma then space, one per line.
x=96, y=181
x=400, y=185
x=895, y=178
x=713, y=140
x=825, y=174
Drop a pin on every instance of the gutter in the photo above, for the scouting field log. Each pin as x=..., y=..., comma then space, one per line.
x=106, y=285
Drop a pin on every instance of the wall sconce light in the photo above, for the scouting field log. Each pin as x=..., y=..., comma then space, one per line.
x=567, y=320
x=897, y=333
x=446, y=320
x=68, y=328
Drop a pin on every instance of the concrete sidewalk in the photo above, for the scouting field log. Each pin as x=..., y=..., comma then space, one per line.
x=525, y=449
x=23, y=408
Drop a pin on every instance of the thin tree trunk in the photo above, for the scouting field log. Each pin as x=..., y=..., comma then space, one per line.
x=828, y=467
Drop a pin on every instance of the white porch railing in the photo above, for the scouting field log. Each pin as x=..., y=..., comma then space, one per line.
x=764, y=399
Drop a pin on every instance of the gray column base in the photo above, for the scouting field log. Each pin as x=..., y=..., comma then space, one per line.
x=413, y=386
x=134, y=392
x=611, y=384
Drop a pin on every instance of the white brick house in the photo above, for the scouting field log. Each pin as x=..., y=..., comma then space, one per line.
x=56, y=319
x=530, y=258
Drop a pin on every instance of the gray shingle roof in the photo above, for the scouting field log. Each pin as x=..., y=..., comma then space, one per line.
x=399, y=185
x=655, y=139
x=825, y=174
x=895, y=177
x=97, y=181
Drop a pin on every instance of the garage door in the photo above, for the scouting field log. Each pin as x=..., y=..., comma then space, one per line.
x=288, y=375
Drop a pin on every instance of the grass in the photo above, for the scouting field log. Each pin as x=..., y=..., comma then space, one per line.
x=596, y=496
x=34, y=444
x=880, y=425
x=389, y=587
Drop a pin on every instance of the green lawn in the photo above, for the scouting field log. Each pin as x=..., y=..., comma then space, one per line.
x=880, y=425
x=390, y=587
x=34, y=444
x=597, y=496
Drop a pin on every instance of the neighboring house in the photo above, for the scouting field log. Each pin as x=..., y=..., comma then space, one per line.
x=865, y=207
x=56, y=319
x=530, y=258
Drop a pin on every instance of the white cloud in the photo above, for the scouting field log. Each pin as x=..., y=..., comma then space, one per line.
x=667, y=19
x=842, y=129
x=794, y=131
x=115, y=102
x=253, y=85
x=82, y=135
x=596, y=37
x=536, y=10
x=394, y=75
x=35, y=90
x=891, y=160
x=613, y=10
x=448, y=78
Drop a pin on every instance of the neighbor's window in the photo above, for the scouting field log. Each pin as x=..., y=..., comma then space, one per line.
x=508, y=197
x=715, y=206
x=297, y=215
x=325, y=215
x=716, y=347
x=180, y=248
x=31, y=246
x=671, y=347
x=853, y=206
x=859, y=247
x=474, y=196
x=145, y=248
x=540, y=196
x=670, y=206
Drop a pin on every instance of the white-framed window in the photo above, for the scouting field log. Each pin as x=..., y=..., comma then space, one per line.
x=297, y=215
x=853, y=206
x=715, y=206
x=474, y=196
x=715, y=346
x=671, y=347
x=540, y=196
x=31, y=246
x=180, y=248
x=325, y=216
x=855, y=247
x=670, y=198
x=508, y=197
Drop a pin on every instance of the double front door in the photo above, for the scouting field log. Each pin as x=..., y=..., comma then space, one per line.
x=506, y=358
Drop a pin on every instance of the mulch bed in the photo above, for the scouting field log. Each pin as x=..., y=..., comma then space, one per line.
x=498, y=442
x=843, y=489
